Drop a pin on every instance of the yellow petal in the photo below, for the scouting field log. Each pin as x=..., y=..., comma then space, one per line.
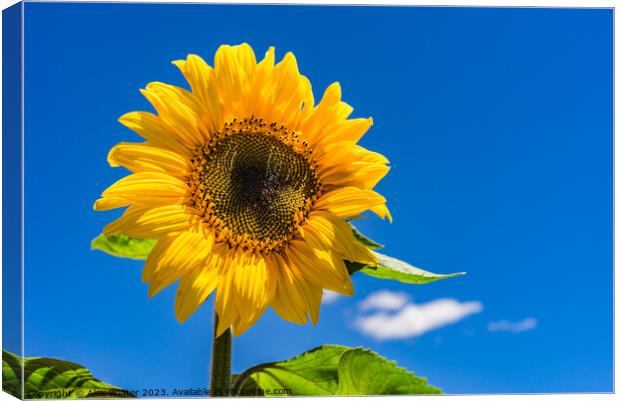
x=143, y=157
x=177, y=110
x=254, y=288
x=283, y=95
x=314, y=295
x=329, y=111
x=152, y=223
x=154, y=130
x=322, y=268
x=224, y=298
x=289, y=302
x=349, y=201
x=350, y=130
x=194, y=289
x=232, y=77
x=295, y=295
x=346, y=164
x=354, y=174
x=109, y=203
x=324, y=230
x=336, y=153
x=201, y=78
x=197, y=73
x=148, y=189
x=382, y=211
x=261, y=87
x=154, y=256
x=246, y=59
x=311, y=293
x=185, y=253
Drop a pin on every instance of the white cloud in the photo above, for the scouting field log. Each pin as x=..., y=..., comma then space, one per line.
x=384, y=300
x=514, y=327
x=329, y=297
x=412, y=320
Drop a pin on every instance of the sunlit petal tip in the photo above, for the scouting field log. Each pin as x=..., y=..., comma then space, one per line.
x=153, y=86
x=244, y=46
x=155, y=286
x=334, y=90
x=106, y=203
x=268, y=61
x=240, y=327
x=221, y=328
x=349, y=291
x=128, y=118
x=182, y=308
x=152, y=290
x=179, y=313
x=289, y=57
x=222, y=51
x=111, y=157
x=125, y=118
x=382, y=211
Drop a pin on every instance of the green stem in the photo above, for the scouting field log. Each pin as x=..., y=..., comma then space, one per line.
x=220, y=362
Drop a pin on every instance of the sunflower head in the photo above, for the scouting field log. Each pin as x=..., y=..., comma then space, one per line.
x=246, y=185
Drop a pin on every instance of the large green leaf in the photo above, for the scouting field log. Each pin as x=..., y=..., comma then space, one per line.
x=124, y=246
x=53, y=378
x=394, y=269
x=330, y=370
x=11, y=374
x=363, y=372
x=312, y=373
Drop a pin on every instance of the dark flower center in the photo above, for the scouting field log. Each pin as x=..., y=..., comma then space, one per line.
x=255, y=186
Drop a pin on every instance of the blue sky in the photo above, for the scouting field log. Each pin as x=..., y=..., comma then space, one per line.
x=498, y=125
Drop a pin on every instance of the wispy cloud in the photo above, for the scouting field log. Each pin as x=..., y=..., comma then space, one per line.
x=408, y=319
x=513, y=327
x=384, y=300
x=329, y=297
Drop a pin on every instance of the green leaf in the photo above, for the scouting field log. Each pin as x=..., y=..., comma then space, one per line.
x=53, y=378
x=390, y=268
x=124, y=246
x=312, y=373
x=363, y=372
x=11, y=374
x=330, y=370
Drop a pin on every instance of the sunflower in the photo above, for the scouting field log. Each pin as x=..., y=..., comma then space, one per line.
x=246, y=184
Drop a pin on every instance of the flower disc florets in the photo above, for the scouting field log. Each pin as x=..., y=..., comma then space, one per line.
x=254, y=184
